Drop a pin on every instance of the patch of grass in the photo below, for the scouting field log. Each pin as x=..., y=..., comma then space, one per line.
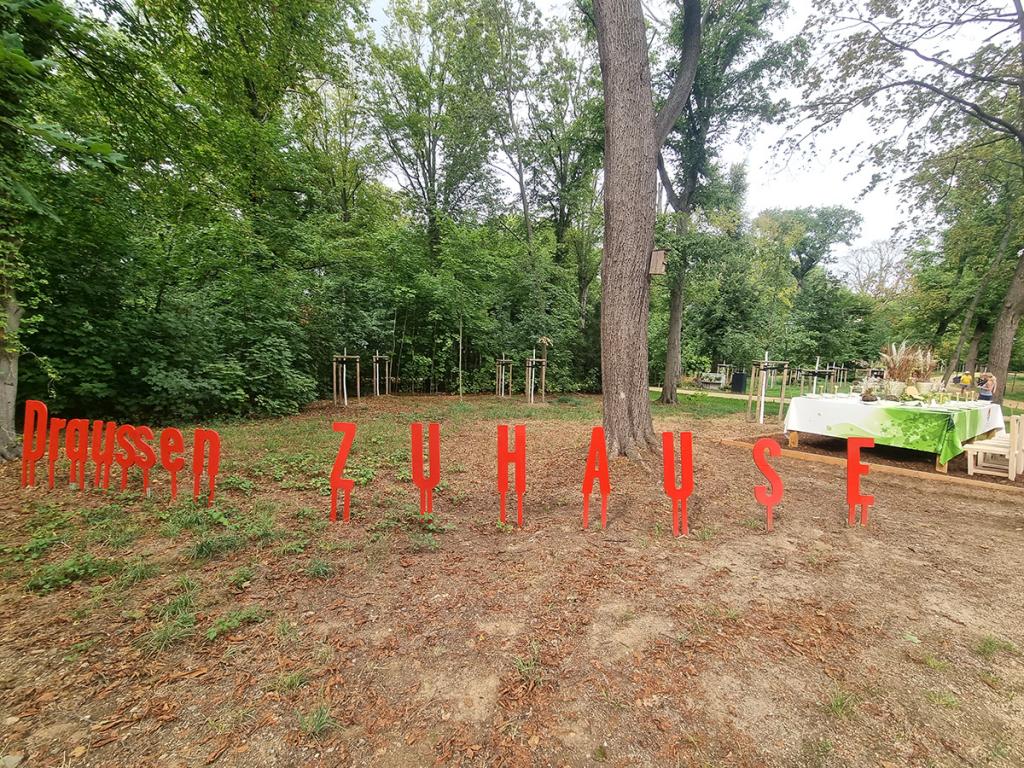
x=78, y=567
x=935, y=663
x=990, y=645
x=421, y=531
x=319, y=569
x=291, y=681
x=135, y=571
x=943, y=699
x=317, y=721
x=252, y=614
x=704, y=406
x=192, y=516
x=237, y=483
x=48, y=527
x=286, y=631
x=705, y=533
x=423, y=541
x=529, y=667
x=260, y=525
x=178, y=617
x=111, y=525
x=840, y=703
x=753, y=523
x=212, y=545
x=240, y=577
x=293, y=547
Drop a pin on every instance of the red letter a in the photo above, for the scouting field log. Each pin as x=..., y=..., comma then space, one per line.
x=515, y=456
x=338, y=480
x=426, y=484
x=679, y=494
x=769, y=495
x=854, y=469
x=597, y=468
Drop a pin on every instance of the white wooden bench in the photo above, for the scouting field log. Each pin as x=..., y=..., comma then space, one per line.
x=1002, y=455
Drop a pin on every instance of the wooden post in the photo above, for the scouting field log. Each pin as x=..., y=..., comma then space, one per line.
x=344, y=380
x=334, y=371
x=750, y=389
x=763, y=391
x=460, y=358
x=782, y=396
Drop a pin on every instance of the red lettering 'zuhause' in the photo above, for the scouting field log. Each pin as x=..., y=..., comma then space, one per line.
x=517, y=457
x=678, y=493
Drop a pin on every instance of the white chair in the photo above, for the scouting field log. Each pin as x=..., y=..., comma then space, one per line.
x=1002, y=455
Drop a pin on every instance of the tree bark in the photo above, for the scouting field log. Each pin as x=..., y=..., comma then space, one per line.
x=971, y=360
x=1005, y=330
x=677, y=292
x=973, y=306
x=673, y=347
x=9, y=353
x=629, y=199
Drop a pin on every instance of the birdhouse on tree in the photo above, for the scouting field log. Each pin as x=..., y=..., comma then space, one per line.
x=657, y=262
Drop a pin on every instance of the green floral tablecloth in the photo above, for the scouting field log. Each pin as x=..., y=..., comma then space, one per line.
x=941, y=430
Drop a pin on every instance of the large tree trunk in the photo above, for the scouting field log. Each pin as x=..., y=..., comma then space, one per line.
x=9, y=352
x=1005, y=331
x=972, y=308
x=677, y=292
x=673, y=363
x=971, y=360
x=629, y=199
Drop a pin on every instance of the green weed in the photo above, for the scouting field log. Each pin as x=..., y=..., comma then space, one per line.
x=291, y=681
x=529, y=667
x=317, y=722
x=943, y=699
x=252, y=614
x=989, y=646
x=840, y=703
x=319, y=569
x=240, y=577
x=212, y=545
x=78, y=567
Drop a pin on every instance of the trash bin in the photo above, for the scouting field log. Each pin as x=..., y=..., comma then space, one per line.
x=739, y=381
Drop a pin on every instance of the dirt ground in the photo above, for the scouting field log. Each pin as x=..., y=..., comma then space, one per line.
x=139, y=632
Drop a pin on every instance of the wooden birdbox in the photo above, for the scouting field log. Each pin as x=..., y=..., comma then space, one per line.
x=657, y=262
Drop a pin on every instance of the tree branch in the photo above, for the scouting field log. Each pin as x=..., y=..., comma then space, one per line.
x=680, y=93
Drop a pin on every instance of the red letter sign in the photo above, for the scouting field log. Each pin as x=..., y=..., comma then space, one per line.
x=200, y=438
x=125, y=456
x=769, y=495
x=515, y=456
x=33, y=445
x=171, y=444
x=102, y=457
x=854, y=469
x=597, y=468
x=53, y=451
x=679, y=494
x=76, y=446
x=338, y=480
x=426, y=484
x=144, y=455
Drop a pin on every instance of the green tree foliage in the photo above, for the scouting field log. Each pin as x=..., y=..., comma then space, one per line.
x=201, y=202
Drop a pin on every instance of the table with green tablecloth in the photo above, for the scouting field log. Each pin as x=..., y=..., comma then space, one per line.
x=932, y=428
